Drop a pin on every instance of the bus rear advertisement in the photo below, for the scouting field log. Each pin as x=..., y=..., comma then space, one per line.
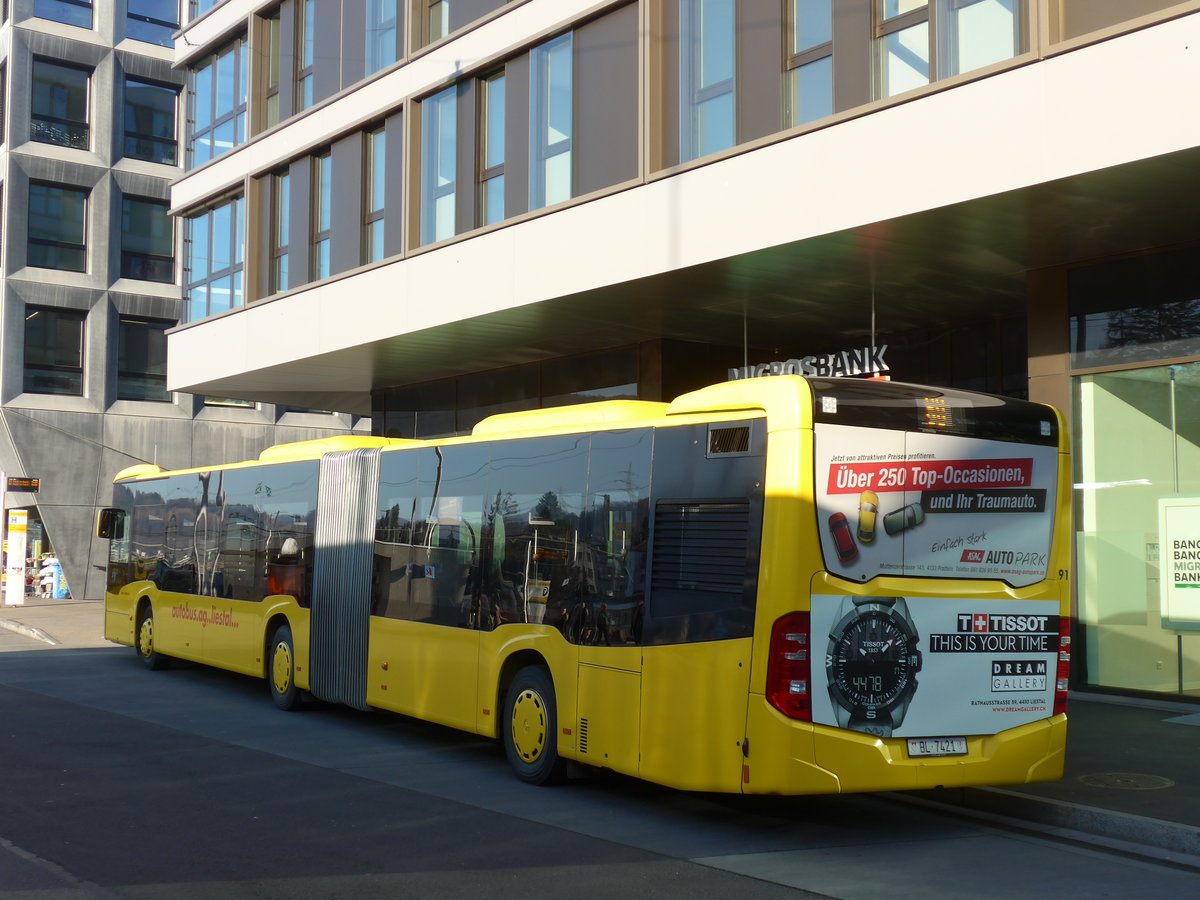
x=775, y=585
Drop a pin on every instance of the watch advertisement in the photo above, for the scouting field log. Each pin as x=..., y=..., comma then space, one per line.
x=932, y=666
x=933, y=505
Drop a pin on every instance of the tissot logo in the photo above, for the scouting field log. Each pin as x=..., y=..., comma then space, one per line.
x=987, y=623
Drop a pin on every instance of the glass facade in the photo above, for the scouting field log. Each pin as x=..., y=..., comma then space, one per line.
x=322, y=216
x=216, y=255
x=439, y=179
x=374, y=194
x=552, y=117
x=708, y=122
x=219, y=103
x=1137, y=471
x=810, y=65
x=491, y=150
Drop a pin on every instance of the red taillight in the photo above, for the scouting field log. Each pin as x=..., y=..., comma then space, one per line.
x=1064, y=665
x=788, y=671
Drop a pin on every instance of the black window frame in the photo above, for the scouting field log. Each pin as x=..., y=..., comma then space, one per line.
x=37, y=377
x=146, y=265
x=136, y=380
x=58, y=244
x=135, y=139
x=60, y=131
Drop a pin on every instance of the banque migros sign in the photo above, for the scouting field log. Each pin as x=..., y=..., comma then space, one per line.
x=863, y=361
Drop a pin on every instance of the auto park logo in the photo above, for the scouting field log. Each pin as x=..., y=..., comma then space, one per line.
x=973, y=556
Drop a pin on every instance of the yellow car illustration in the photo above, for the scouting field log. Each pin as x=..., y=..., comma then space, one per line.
x=868, y=509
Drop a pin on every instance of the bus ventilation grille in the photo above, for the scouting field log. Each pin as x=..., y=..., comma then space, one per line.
x=729, y=440
x=583, y=735
x=700, y=546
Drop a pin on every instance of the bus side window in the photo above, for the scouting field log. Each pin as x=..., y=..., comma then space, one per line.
x=110, y=524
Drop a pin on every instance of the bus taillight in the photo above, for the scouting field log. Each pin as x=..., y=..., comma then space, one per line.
x=1064, y=665
x=788, y=670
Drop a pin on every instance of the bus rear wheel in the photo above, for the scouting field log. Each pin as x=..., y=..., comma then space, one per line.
x=530, y=727
x=144, y=640
x=281, y=669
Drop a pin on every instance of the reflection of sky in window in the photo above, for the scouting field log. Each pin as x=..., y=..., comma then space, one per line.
x=813, y=23
x=984, y=32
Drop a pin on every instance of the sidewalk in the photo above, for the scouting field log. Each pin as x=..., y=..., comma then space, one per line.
x=69, y=624
x=1132, y=772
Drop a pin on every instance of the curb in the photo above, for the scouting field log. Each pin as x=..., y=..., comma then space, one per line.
x=1125, y=832
x=29, y=631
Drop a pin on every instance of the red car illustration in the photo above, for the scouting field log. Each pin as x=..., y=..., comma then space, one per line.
x=843, y=540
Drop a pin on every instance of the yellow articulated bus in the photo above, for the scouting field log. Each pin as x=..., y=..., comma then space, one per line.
x=775, y=585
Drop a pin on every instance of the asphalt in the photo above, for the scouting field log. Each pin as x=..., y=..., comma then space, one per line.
x=1131, y=781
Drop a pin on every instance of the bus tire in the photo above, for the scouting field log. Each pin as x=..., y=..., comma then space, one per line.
x=281, y=669
x=144, y=641
x=530, y=727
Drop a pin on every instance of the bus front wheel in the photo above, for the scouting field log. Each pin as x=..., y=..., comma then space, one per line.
x=530, y=727
x=281, y=670
x=144, y=638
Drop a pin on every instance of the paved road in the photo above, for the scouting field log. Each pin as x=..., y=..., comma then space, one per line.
x=188, y=783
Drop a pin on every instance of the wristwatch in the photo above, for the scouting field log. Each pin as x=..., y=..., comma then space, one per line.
x=872, y=663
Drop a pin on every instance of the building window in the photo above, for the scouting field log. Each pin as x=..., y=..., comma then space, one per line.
x=438, y=165
x=810, y=60
x=219, y=103
x=69, y=12
x=216, y=248
x=57, y=227
x=437, y=20
x=374, y=184
x=281, y=186
x=270, y=31
x=197, y=8
x=322, y=214
x=706, y=58
x=150, y=122
x=152, y=21
x=59, y=112
x=3, y=101
x=147, y=241
x=305, y=36
x=53, y=351
x=551, y=116
x=382, y=31
x=979, y=33
x=967, y=34
x=491, y=150
x=142, y=360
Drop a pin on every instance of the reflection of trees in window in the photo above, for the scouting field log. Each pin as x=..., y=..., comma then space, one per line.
x=1153, y=324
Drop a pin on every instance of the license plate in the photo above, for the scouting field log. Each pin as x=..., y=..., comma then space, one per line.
x=939, y=746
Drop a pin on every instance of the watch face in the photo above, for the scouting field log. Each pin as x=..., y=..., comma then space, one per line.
x=869, y=664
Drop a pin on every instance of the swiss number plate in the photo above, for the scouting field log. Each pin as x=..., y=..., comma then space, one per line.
x=937, y=746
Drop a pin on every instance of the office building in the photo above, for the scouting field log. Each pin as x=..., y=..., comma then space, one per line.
x=91, y=141
x=426, y=211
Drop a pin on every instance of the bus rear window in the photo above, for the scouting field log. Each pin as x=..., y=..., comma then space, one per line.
x=907, y=407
